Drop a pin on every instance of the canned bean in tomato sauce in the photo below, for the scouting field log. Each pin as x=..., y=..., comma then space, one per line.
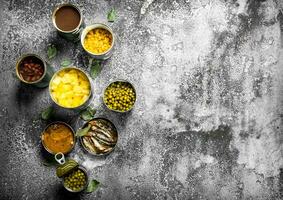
x=33, y=70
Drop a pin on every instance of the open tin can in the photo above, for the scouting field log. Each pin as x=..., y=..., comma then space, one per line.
x=87, y=98
x=67, y=140
x=120, y=81
x=101, y=138
x=100, y=56
x=34, y=59
x=74, y=176
x=68, y=17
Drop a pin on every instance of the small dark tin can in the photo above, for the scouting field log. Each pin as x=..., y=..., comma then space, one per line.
x=45, y=78
x=73, y=35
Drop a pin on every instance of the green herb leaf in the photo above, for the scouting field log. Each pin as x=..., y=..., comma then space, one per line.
x=111, y=16
x=49, y=162
x=88, y=113
x=66, y=63
x=81, y=132
x=90, y=61
x=47, y=113
x=51, y=51
x=95, y=68
x=14, y=75
x=92, y=186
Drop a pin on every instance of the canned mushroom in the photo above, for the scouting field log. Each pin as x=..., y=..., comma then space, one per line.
x=32, y=69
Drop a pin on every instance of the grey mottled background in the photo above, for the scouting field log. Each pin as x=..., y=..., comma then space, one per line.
x=208, y=120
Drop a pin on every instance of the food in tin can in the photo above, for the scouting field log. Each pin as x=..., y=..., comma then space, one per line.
x=98, y=41
x=64, y=169
x=67, y=18
x=58, y=137
x=101, y=137
x=120, y=96
x=76, y=180
x=31, y=69
x=70, y=88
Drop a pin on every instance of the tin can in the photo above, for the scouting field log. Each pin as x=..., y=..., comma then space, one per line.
x=89, y=98
x=45, y=78
x=66, y=167
x=57, y=122
x=123, y=81
x=102, y=56
x=84, y=187
x=114, y=129
x=73, y=35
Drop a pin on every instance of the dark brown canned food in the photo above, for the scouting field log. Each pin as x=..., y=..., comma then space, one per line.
x=68, y=21
x=32, y=69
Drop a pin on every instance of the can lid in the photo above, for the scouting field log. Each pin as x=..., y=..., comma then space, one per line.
x=66, y=168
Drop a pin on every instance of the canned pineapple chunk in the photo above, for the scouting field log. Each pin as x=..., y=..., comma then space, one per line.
x=70, y=88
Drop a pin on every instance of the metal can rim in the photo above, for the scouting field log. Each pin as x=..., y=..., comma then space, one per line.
x=85, y=186
x=101, y=154
x=58, y=122
x=76, y=68
x=20, y=59
x=91, y=27
x=60, y=6
x=125, y=81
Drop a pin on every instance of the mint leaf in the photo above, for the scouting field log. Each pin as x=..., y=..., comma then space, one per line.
x=51, y=51
x=92, y=186
x=66, y=63
x=81, y=132
x=47, y=113
x=88, y=113
x=95, y=68
x=49, y=162
x=111, y=16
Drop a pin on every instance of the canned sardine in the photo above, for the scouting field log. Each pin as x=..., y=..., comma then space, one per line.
x=98, y=41
x=68, y=21
x=32, y=69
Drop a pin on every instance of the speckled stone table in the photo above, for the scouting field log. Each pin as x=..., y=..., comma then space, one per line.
x=208, y=120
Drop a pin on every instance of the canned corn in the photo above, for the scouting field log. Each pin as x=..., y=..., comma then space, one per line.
x=101, y=49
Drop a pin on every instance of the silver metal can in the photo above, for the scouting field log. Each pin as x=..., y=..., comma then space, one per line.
x=89, y=98
x=66, y=168
x=62, y=123
x=100, y=56
x=73, y=35
x=122, y=81
x=45, y=78
x=86, y=181
x=110, y=127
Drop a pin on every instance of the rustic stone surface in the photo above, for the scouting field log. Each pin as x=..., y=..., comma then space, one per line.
x=208, y=120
